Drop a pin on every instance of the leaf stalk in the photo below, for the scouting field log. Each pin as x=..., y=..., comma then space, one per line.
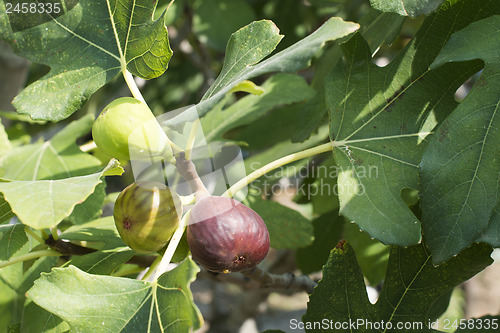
x=29, y=256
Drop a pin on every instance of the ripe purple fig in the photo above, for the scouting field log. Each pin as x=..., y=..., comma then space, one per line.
x=224, y=235
x=146, y=215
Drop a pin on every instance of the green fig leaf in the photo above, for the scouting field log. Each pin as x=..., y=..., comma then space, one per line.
x=91, y=208
x=112, y=254
x=341, y=293
x=102, y=262
x=411, y=287
x=371, y=255
x=379, y=27
x=5, y=211
x=460, y=167
x=21, y=276
x=85, y=43
x=327, y=232
x=100, y=230
x=5, y=144
x=252, y=43
x=492, y=233
x=51, y=200
x=45, y=322
x=56, y=158
x=407, y=7
x=12, y=239
x=380, y=125
x=125, y=305
x=214, y=31
x=280, y=89
x=288, y=229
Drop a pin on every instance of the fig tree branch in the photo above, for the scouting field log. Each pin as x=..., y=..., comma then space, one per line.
x=257, y=278
x=69, y=249
x=281, y=281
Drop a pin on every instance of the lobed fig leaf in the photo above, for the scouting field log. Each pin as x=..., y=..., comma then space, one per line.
x=127, y=129
x=146, y=215
x=224, y=235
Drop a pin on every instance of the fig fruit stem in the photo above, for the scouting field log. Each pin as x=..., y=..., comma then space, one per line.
x=239, y=185
x=280, y=281
x=188, y=171
x=171, y=247
x=29, y=256
x=132, y=86
x=152, y=268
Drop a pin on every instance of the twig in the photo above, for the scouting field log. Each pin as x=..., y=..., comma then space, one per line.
x=281, y=281
x=256, y=278
x=69, y=249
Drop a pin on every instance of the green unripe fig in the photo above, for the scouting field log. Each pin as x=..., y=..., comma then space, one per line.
x=126, y=129
x=146, y=215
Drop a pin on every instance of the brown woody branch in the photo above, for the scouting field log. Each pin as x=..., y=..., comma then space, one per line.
x=70, y=249
x=281, y=281
x=256, y=278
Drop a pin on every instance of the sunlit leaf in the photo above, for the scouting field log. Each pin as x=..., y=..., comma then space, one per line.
x=50, y=200
x=120, y=304
x=380, y=125
x=461, y=166
x=407, y=7
x=56, y=158
x=85, y=43
x=252, y=43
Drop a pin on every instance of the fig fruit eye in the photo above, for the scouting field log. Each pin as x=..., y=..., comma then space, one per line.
x=126, y=129
x=224, y=235
x=146, y=215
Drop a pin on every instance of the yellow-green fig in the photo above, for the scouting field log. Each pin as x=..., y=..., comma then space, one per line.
x=146, y=215
x=127, y=129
